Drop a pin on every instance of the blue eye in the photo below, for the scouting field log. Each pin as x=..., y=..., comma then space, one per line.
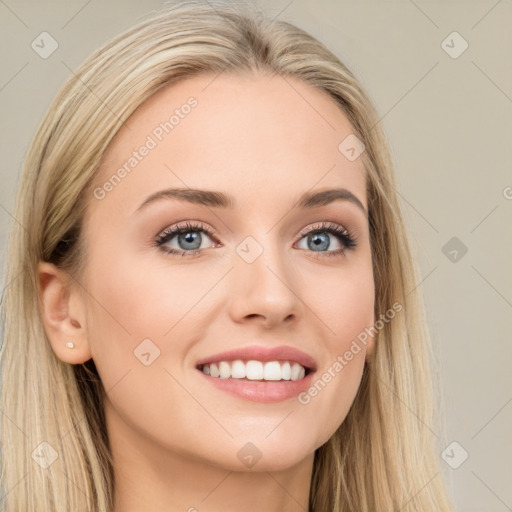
x=189, y=237
x=319, y=241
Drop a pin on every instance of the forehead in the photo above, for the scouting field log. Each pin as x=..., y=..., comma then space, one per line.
x=256, y=137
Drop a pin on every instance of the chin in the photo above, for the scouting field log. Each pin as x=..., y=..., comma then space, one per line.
x=275, y=453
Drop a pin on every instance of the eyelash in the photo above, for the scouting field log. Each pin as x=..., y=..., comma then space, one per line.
x=345, y=237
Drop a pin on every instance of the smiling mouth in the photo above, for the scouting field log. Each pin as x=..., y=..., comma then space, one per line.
x=253, y=370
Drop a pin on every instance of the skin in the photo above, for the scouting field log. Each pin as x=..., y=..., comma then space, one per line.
x=175, y=437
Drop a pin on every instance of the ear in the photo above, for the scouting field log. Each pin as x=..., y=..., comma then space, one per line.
x=63, y=314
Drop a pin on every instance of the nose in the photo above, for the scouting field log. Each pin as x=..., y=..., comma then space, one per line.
x=265, y=291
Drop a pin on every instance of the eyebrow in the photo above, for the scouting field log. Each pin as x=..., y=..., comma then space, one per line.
x=214, y=199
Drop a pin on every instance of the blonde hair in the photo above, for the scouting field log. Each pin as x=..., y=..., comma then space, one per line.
x=383, y=456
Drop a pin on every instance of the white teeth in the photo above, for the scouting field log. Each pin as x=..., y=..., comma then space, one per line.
x=272, y=371
x=214, y=370
x=286, y=371
x=224, y=370
x=238, y=370
x=255, y=370
x=297, y=371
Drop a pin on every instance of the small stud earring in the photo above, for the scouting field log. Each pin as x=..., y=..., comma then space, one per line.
x=69, y=344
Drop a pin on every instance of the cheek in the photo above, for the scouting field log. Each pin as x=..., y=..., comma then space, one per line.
x=131, y=302
x=129, y=312
x=124, y=308
x=343, y=301
x=345, y=306
x=134, y=299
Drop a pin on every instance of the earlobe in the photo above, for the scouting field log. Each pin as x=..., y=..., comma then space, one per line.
x=63, y=314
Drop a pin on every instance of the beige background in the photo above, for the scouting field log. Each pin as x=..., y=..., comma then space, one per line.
x=449, y=121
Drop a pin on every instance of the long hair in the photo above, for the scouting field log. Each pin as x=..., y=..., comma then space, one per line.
x=383, y=456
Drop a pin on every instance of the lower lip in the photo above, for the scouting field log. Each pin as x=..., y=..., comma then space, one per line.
x=262, y=391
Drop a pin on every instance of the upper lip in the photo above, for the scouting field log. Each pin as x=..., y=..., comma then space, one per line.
x=259, y=353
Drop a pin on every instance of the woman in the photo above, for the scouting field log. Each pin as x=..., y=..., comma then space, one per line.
x=212, y=300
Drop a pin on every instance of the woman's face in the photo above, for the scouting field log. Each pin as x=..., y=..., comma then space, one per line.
x=246, y=276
